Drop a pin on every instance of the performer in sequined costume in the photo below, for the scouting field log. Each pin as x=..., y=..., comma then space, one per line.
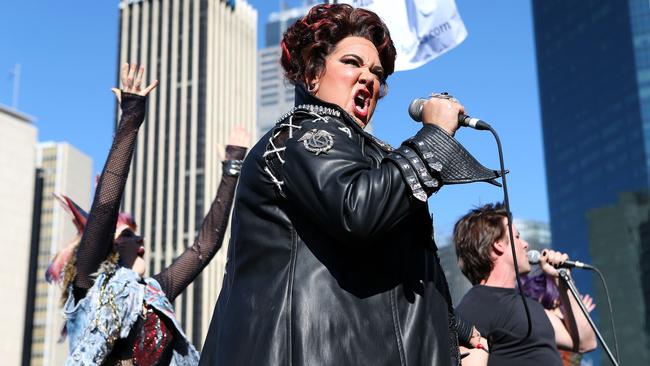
x=115, y=316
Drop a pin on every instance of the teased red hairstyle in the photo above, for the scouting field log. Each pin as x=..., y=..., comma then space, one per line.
x=307, y=42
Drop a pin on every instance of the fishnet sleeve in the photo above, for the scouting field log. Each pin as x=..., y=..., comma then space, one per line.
x=97, y=239
x=175, y=278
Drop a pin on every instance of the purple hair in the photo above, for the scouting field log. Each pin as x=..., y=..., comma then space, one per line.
x=542, y=288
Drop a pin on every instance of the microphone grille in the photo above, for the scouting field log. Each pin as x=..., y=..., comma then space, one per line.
x=533, y=256
x=415, y=109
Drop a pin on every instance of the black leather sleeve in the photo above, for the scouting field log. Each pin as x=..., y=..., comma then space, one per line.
x=432, y=158
x=340, y=188
x=464, y=330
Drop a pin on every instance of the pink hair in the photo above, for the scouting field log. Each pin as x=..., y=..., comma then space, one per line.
x=54, y=272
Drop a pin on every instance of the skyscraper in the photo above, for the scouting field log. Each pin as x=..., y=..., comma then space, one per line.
x=275, y=93
x=619, y=236
x=536, y=233
x=203, y=54
x=64, y=170
x=594, y=83
x=17, y=162
x=458, y=283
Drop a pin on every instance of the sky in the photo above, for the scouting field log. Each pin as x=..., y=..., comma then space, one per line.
x=67, y=51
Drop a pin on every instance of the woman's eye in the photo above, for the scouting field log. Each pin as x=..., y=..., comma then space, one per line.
x=351, y=61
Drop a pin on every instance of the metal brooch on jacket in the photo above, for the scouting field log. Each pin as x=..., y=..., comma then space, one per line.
x=317, y=141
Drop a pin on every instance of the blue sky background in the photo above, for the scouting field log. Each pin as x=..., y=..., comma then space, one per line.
x=68, y=56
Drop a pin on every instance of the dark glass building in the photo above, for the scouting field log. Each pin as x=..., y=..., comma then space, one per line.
x=593, y=60
x=591, y=96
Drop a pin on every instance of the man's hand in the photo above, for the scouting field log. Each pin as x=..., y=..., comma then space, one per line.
x=551, y=260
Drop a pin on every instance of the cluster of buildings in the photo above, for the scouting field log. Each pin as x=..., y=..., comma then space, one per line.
x=35, y=227
x=596, y=126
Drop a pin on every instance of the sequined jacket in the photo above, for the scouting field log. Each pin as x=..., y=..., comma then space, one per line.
x=331, y=259
x=109, y=311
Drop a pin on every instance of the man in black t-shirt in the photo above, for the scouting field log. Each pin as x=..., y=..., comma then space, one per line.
x=495, y=306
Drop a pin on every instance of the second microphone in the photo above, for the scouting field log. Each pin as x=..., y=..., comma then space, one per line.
x=534, y=258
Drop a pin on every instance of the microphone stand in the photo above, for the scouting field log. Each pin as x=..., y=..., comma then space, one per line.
x=564, y=275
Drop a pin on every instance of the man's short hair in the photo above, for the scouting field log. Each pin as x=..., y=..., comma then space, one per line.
x=474, y=235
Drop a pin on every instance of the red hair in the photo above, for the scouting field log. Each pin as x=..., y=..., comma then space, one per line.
x=310, y=40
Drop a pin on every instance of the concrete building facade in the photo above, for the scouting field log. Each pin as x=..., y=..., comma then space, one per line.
x=64, y=170
x=619, y=238
x=203, y=54
x=18, y=164
x=275, y=93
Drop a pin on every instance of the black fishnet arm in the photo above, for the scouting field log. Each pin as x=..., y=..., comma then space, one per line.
x=175, y=278
x=97, y=240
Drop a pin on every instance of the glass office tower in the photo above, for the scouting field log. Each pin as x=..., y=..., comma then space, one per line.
x=593, y=60
x=592, y=95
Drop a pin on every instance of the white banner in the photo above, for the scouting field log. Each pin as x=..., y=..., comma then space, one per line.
x=421, y=29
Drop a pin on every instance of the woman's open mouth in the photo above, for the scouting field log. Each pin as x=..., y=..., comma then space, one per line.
x=362, y=104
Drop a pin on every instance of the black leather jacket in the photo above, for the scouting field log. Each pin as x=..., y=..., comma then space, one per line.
x=331, y=260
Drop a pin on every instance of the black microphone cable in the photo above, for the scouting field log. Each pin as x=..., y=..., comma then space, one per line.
x=506, y=203
x=415, y=111
x=609, y=306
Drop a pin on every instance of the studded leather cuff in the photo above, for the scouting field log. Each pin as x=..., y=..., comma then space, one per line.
x=448, y=159
x=408, y=173
x=232, y=168
x=416, y=174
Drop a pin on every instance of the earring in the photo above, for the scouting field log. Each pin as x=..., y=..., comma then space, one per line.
x=312, y=87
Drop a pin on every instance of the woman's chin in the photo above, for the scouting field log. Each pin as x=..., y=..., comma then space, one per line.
x=139, y=266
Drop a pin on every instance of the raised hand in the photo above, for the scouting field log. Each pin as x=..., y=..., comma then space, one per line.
x=131, y=78
x=239, y=137
x=588, y=301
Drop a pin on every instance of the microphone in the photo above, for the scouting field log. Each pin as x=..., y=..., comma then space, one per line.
x=415, y=111
x=534, y=255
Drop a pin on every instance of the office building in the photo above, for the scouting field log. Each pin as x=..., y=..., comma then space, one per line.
x=18, y=164
x=458, y=283
x=536, y=233
x=275, y=93
x=619, y=236
x=594, y=86
x=63, y=170
x=203, y=54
